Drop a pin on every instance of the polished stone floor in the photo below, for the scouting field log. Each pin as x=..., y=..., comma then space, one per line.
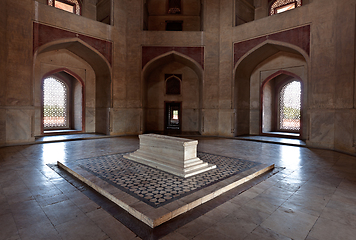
x=314, y=197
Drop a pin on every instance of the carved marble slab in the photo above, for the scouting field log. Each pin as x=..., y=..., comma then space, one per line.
x=171, y=154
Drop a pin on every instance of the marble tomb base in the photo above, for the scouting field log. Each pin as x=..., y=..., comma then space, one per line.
x=154, y=196
x=175, y=155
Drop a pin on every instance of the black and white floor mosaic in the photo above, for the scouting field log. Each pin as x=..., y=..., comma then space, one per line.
x=156, y=187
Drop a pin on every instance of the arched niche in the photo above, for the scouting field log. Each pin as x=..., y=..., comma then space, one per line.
x=158, y=15
x=89, y=65
x=155, y=99
x=75, y=100
x=270, y=104
x=252, y=70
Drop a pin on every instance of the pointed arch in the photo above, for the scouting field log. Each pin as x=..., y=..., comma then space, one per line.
x=285, y=78
x=103, y=75
x=76, y=96
x=161, y=61
x=242, y=77
x=173, y=56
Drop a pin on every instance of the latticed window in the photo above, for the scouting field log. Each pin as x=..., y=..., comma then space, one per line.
x=72, y=6
x=279, y=6
x=174, y=6
x=290, y=106
x=55, y=104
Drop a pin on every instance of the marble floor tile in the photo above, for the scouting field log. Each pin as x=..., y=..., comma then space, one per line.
x=240, y=200
x=195, y=227
x=290, y=223
x=330, y=230
x=290, y=184
x=264, y=204
x=249, y=214
x=15, y=189
x=312, y=188
x=174, y=236
x=276, y=192
x=5, y=208
x=45, y=200
x=20, y=197
x=218, y=213
x=313, y=197
x=27, y=213
x=114, y=229
x=235, y=228
x=8, y=227
x=310, y=204
x=62, y=212
x=81, y=228
x=342, y=203
x=227, y=207
x=340, y=216
x=261, y=233
x=211, y=234
x=41, y=231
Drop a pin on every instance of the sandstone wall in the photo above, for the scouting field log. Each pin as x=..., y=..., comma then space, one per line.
x=228, y=91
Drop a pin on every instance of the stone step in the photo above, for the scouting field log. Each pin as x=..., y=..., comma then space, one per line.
x=182, y=172
x=200, y=170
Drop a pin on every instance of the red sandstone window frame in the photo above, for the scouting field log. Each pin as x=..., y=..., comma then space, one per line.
x=273, y=9
x=77, y=5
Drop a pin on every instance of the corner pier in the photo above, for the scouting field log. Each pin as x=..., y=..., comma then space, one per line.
x=175, y=155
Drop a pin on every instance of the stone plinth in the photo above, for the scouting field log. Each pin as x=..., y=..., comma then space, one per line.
x=177, y=156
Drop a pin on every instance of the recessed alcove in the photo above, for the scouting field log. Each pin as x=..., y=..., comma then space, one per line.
x=62, y=106
x=249, y=10
x=99, y=10
x=172, y=15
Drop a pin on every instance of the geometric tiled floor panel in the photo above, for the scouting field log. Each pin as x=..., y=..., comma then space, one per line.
x=156, y=187
x=154, y=196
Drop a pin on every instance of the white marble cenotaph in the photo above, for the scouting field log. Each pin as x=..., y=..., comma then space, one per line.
x=175, y=155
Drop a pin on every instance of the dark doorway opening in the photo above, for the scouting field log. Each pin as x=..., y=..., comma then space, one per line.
x=173, y=117
x=174, y=25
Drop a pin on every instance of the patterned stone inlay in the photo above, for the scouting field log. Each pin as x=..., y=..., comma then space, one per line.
x=156, y=187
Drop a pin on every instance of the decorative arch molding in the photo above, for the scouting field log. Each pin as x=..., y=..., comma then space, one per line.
x=66, y=70
x=161, y=61
x=150, y=53
x=266, y=49
x=244, y=67
x=297, y=38
x=280, y=72
x=44, y=34
x=292, y=77
x=169, y=57
x=103, y=75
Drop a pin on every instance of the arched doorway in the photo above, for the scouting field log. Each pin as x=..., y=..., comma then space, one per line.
x=90, y=66
x=267, y=60
x=281, y=105
x=172, y=96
